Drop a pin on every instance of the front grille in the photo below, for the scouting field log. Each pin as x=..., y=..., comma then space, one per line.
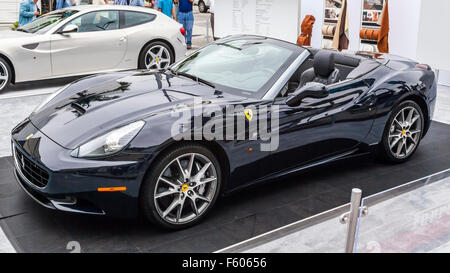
x=35, y=174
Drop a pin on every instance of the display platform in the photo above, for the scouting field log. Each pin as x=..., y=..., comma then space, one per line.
x=32, y=228
x=411, y=218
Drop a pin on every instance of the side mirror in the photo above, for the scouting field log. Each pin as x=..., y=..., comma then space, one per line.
x=69, y=29
x=311, y=90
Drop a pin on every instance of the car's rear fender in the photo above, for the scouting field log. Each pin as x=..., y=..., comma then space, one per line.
x=397, y=87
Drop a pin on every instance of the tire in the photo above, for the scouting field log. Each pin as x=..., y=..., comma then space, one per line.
x=163, y=193
x=403, y=133
x=5, y=74
x=154, y=59
x=202, y=7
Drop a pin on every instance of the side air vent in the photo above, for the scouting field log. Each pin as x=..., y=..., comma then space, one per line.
x=31, y=46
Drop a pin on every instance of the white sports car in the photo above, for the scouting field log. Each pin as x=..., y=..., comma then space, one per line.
x=84, y=40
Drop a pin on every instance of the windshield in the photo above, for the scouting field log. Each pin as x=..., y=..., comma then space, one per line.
x=45, y=22
x=245, y=66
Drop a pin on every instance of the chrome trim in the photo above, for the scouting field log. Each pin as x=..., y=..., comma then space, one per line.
x=55, y=204
x=276, y=88
x=31, y=195
x=62, y=207
x=18, y=169
x=320, y=162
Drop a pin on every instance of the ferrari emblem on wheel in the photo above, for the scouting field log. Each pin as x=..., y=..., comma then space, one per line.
x=248, y=114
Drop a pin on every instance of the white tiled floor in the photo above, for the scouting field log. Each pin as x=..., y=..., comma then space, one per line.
x=5, y=245
x=442, y=112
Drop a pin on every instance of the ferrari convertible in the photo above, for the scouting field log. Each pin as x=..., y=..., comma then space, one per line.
x=110, y=144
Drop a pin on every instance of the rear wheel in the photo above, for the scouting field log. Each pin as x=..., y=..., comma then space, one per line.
x=202, y=7
x=403, y=132
x=182, y=187
x=5, y=74
x=156, y=55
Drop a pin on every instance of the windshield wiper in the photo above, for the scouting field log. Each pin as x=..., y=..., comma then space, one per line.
x=172, y=71
x=23, y=30
x=195, y=78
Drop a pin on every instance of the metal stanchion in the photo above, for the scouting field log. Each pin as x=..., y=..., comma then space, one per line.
x=207, y=30
x=351, y=219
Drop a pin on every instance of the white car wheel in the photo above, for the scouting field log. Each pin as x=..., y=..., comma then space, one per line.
x=5, y=74
x=157, y=56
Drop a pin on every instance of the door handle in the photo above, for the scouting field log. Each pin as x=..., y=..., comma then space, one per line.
x=123, y=39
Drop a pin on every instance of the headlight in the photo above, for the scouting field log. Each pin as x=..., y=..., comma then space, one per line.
x=109, y=143
x=49, y=98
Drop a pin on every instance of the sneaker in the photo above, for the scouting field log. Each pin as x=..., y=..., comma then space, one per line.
x=189, y=47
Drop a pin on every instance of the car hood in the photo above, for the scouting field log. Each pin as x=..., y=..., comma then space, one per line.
x=10, y=34
x=96, y=105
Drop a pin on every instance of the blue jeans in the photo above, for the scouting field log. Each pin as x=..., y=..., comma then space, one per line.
x=187, y=19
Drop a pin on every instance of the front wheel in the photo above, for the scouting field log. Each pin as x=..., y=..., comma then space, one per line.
x=156, y=55
x=5, y=74
x=182, y=187
x=403, y=132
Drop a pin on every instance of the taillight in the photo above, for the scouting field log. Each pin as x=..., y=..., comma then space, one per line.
x=423, y=66
x=183, y=31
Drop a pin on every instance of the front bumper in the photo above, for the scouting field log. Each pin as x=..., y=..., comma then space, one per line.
x=73, y=184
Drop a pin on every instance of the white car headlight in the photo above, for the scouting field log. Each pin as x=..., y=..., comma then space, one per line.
x=49, y=98
x=109, y=143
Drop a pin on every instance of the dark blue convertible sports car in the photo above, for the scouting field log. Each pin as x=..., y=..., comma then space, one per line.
x=140, y=141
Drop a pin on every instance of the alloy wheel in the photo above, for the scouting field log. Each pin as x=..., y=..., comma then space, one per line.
x=405, y=132
x=157, y=57
x=3, y=75
x=185, y=188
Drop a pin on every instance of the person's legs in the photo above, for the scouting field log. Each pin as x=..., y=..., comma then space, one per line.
x=212, y=26
x=182, y=20
x=189, y=26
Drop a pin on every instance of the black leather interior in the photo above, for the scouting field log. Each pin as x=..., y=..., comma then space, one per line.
x=323, y=70
x=345, y=63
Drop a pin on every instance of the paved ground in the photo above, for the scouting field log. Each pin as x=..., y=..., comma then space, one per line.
x=4, y=26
